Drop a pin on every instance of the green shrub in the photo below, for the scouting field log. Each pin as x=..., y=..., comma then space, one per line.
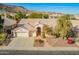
x=63, y=26
x=43, y=35
x=2, y=37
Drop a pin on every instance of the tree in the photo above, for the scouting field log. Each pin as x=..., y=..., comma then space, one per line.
x=2, y=37
x=9, y=16
x=68, y=17
x=19, y=16
x=63, y=26
x=35, y=15
x=72, y=17
x=1, y=24
x=46, y=16
x=47, y=30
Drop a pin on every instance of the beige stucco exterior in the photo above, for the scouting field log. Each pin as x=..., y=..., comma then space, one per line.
x=21, y=32
x=39, y=23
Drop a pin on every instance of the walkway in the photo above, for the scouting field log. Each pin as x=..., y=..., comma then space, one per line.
x=59, y=42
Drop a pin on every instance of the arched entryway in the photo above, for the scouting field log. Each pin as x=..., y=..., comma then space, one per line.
x=38, y=31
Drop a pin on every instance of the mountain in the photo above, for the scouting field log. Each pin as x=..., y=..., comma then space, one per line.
x=11, y=8
x=14, y=9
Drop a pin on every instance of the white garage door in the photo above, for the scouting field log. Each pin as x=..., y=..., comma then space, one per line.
x=22, y=34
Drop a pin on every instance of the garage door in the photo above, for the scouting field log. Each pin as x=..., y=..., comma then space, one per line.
x=22, y=34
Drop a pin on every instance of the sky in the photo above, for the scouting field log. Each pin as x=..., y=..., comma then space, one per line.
x=68, y=8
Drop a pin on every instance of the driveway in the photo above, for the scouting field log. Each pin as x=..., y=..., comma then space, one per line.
x=21, y=42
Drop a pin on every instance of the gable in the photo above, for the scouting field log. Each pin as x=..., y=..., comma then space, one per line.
x=21, y=29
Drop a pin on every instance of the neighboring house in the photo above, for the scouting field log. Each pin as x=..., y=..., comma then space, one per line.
x=55, y=15
x=75, y=24
x=9, y=23
x=76, y=16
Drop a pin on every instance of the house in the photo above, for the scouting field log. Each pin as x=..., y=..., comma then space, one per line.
x=55, y=15
x=31, y=27
x=9, y=23
x=26, y=28
x=76, y=16
x=22, y=30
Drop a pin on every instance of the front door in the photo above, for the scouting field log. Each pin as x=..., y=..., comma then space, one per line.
x=38, y=32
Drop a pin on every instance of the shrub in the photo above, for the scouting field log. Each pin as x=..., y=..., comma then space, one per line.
x=2, y=37
x=63, y=26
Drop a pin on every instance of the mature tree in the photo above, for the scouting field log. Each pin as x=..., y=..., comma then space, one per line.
x=19, y=16
x=1, y=24
x=63, y=26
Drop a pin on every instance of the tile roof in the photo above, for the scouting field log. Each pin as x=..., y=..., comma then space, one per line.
x=31, y=23
x=35, y=22
x=9, y=22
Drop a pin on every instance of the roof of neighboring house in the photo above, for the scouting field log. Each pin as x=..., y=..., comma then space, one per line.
x=9, y=22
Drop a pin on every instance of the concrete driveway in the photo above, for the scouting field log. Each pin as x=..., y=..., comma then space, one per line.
x=21, y=42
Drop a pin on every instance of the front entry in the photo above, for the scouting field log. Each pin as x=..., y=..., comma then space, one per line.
x=38, y=32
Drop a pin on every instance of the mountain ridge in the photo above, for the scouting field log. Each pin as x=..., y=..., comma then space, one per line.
x=11, y=8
